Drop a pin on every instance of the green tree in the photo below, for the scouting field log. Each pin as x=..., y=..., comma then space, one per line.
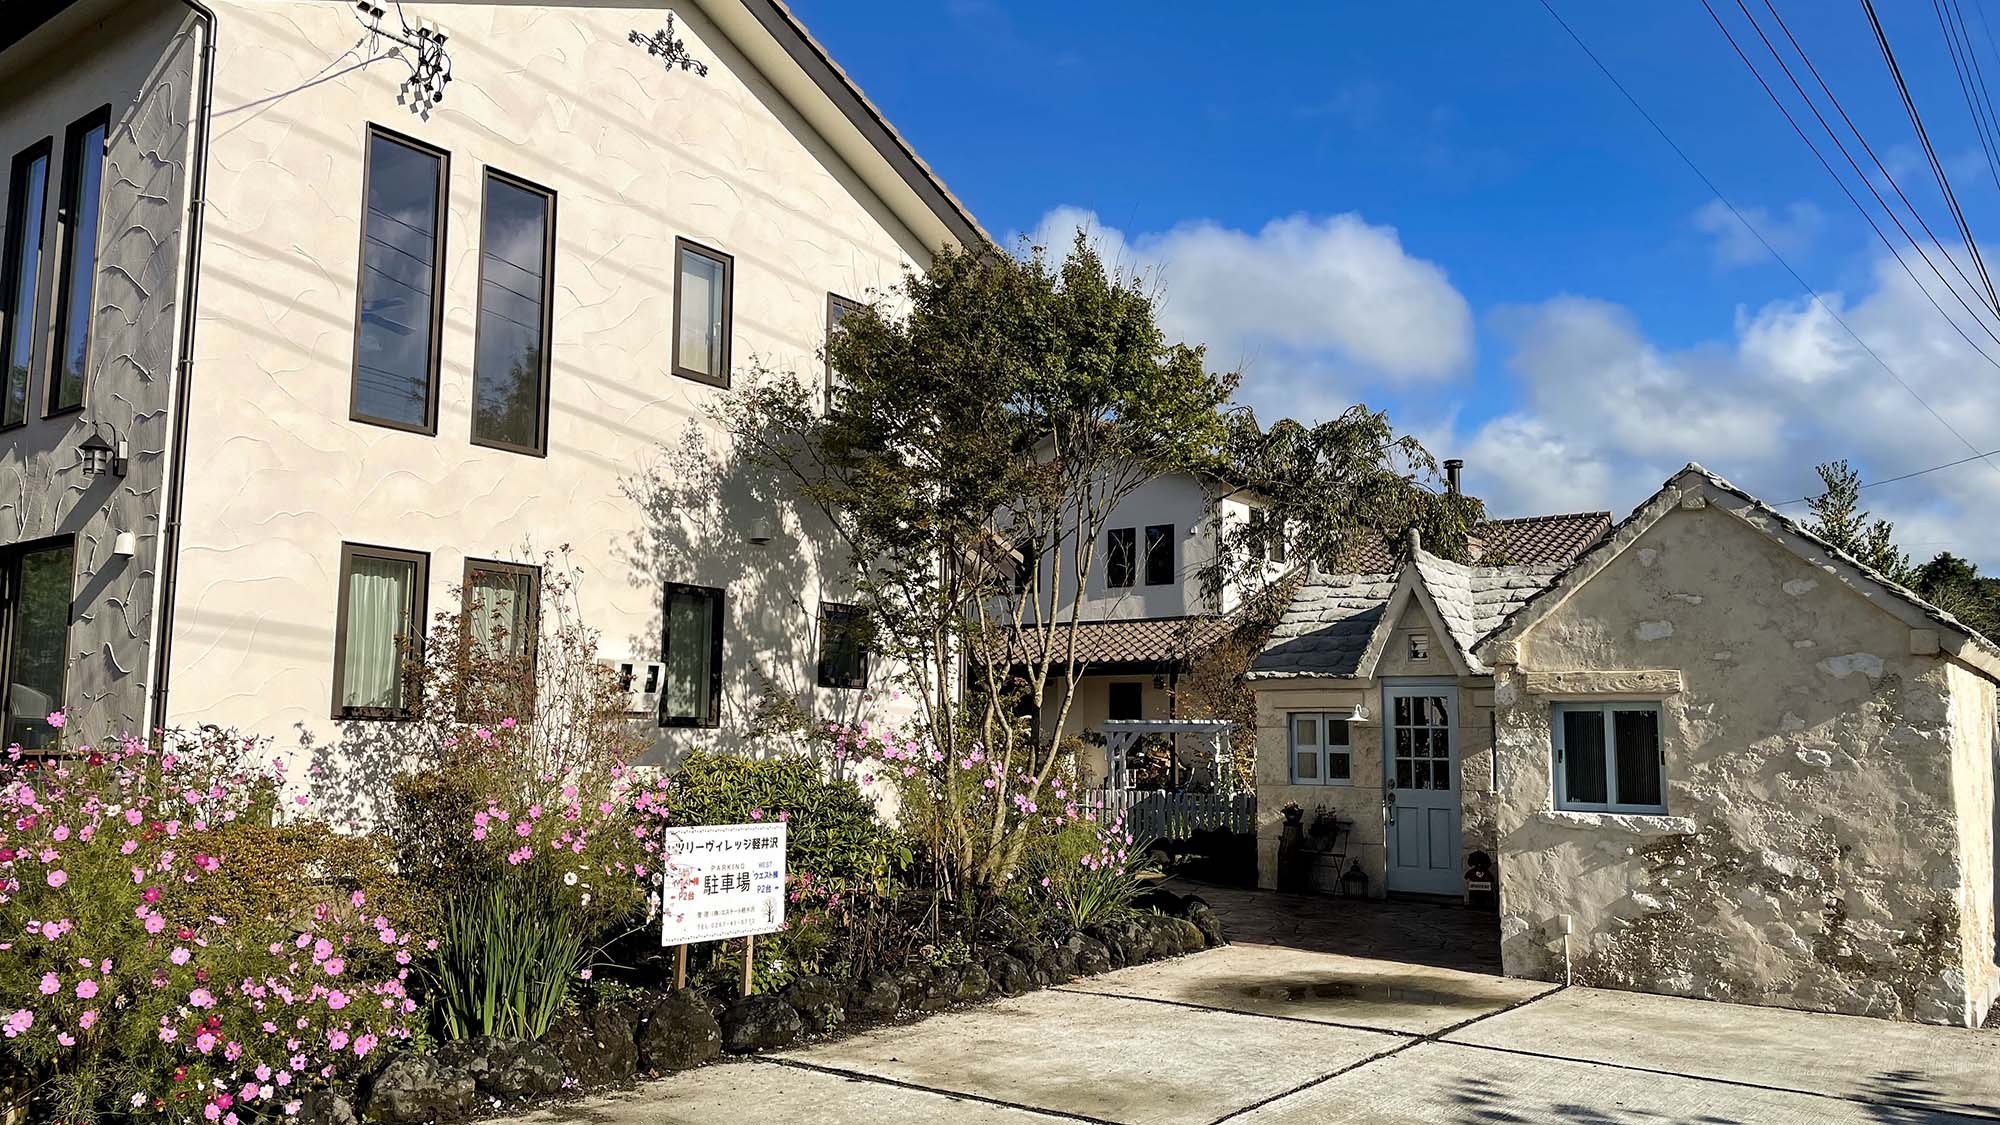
x=1954, y=585
x=1838, y=518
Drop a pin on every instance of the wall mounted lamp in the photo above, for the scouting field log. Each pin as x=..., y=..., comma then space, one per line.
x=100, y=456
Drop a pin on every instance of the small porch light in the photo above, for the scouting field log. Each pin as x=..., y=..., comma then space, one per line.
x=758, y=531
x=1359, y=714
x=99, y=456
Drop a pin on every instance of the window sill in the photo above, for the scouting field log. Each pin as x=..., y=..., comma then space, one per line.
x=1639, y=824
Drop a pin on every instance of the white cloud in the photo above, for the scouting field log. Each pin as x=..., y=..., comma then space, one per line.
x=1313, y=307
x=1604, y=414
x=1736, y=244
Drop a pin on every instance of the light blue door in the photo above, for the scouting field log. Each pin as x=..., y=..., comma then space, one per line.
x=1420, y=787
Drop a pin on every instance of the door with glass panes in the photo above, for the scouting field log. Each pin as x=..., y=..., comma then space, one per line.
x=36, y=586
x=1420, y=801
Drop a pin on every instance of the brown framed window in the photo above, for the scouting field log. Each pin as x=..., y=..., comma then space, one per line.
x=1160, y=554
x=21, y=277
x=510, y=367
x=77, y=224
x=1121, y=557
x=691, y=649
x=399, y=300
x=843, y=646
x=501, y=605
x=837, y=310
x=37, y=587
x=380, y=619
x=703, y=283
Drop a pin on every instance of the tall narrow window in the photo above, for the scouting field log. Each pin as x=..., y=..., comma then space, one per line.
x=1160, y=555
x=1121, y=557
x=510, y=372
x=400, y=306
x=381, y=617
x=500, y=601
x=1027, y=564
x=701, y=313
x=837, y=308
x=36, y=584
x=692, y=648
x=83, y=184
x=843, y=646
x=21, y=277
x=1259, y=534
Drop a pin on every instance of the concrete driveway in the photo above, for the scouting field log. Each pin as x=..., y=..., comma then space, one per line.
x=1260, y=1035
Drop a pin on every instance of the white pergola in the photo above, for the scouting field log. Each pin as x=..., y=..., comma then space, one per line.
x=1211, y=735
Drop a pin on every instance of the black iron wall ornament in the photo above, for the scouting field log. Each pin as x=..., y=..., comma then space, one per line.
x=670, y=51
x=430, y=66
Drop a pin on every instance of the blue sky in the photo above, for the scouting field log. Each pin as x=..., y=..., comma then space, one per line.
x=1446, y=211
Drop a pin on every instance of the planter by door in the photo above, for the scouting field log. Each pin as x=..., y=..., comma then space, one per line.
x=1420, y=787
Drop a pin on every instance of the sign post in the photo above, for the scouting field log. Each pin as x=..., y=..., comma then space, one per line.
x=723, y=881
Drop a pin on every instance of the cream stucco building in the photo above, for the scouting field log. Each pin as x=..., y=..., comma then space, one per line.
x=353, y=346
x=1712, y=757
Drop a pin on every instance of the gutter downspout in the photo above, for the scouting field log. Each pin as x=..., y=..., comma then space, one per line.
x=170, y=524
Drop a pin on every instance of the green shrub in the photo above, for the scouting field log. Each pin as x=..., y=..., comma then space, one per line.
x=1087, y=873
x=505, y=963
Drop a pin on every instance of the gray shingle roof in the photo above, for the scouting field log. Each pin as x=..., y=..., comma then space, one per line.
x=1326, y=629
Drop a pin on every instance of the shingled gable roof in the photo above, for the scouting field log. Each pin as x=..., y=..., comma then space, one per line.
x=1695, y=486
x=1339, y=624
x=1553, y=540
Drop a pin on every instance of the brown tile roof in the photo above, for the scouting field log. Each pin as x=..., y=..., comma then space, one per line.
x=1157, y=640
x=1526, y=541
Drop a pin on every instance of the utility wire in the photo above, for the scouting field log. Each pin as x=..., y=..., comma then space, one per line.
x=1759, y=235
x=1849, y=192
x=1905, y=476
x=1930, y=151
x=1971, y=82
x=1852, y=163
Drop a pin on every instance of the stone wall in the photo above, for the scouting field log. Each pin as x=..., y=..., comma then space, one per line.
x=1815, y=853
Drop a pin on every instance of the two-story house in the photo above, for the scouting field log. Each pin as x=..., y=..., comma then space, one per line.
x=311, y=313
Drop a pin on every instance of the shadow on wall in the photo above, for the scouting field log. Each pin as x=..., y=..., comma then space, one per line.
x=351, y=779
x=704, y=510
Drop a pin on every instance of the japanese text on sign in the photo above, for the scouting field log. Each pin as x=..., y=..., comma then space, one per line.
x=723, y=881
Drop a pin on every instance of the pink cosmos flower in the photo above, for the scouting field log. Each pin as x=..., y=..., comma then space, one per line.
x=57, y=719
x=58, y=877
x=51, y=984
x=85, y=989
x=87, y=1020
x=180, y=955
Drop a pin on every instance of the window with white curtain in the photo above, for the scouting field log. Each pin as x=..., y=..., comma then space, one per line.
x=701, y=313
x=382, y=597
x=691, y=649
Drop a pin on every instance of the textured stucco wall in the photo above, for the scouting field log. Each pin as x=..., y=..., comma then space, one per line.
x=140, y=59
x=636, y=481
x=1973, y=775
x=1811, y=855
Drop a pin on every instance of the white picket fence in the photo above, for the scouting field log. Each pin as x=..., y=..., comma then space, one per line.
x=1159, y=815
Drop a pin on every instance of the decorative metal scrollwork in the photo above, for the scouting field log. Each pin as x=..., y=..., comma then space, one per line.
x=423, y=51
x=670, y=51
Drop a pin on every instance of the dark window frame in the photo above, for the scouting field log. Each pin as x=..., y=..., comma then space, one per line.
x=419, y=612
x=851, y=619
x=846, y=305
x=1111, y=558
x=533, y=574
x=719, y=626
x=548, y=194
x=1114, y=689
x=429, y=427
x=10, y=268
x=682, y=248
x=1172, y=573
x=11, y=557
x=66, y=207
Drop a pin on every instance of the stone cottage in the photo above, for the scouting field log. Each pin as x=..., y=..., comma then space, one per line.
x=1722, y=759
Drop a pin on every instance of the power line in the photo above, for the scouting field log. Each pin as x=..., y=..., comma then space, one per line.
x=1984, y=121
x=1930, y=152
x=1852, y=163
x=1849, y=193
x=1759, y=235
x=1905, y=476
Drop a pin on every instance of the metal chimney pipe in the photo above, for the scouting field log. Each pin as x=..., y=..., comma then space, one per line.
x=1452, y=468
